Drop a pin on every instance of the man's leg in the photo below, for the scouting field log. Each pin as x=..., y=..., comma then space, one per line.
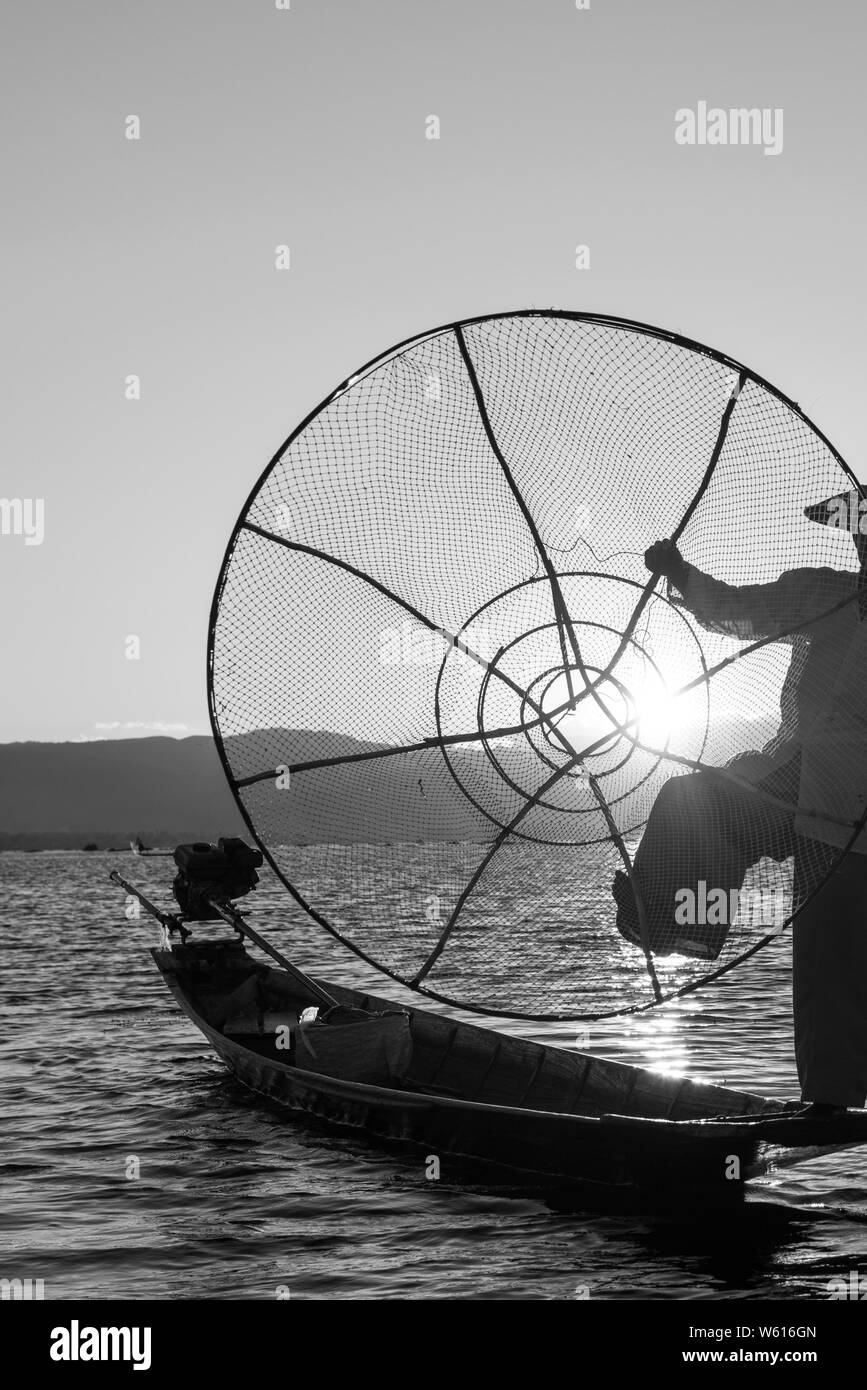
x=680, y=845
x=829, y=988
x=702, y=827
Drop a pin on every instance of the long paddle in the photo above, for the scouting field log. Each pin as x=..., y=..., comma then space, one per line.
x=230, y=915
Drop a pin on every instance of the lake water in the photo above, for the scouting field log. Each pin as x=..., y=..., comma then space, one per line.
x=99, y=1067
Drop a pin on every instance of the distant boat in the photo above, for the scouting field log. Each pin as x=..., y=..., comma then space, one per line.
x=145, y=851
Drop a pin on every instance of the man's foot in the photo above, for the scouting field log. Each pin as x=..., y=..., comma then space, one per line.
x=822, y=1110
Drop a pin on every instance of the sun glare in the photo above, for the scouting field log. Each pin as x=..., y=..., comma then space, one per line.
x=648, y=712
x=657, y=708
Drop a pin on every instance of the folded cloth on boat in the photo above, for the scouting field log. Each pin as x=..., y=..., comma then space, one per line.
x=373, y=1049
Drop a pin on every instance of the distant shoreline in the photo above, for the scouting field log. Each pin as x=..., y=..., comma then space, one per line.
x=77, y=844
x=104, y=842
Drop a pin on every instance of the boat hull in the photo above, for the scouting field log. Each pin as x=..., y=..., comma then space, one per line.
x=537, y=1115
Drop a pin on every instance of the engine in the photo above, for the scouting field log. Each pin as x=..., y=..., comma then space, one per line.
x=218, y=873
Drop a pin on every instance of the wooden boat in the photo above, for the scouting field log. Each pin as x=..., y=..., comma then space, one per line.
x=539, y=1114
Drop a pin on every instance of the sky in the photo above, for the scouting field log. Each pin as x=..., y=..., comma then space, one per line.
x=306, y=127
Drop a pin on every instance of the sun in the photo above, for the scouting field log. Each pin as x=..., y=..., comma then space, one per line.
x=658, y=707
x=648, y=711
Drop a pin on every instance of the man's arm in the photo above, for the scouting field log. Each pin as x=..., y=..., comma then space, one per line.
x=750, y=612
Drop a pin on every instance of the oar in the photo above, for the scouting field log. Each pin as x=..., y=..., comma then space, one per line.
x=166, y=919
x=233, y=917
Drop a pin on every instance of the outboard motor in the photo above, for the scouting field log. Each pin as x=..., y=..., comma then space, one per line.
x=214, y=873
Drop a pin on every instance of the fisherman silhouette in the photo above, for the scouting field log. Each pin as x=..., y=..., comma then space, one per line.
x=708, y=826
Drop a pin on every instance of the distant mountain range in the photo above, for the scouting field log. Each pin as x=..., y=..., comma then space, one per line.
x=165, y=790
x=65, y=795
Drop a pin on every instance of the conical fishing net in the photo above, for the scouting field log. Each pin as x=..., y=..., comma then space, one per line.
x=479, y=741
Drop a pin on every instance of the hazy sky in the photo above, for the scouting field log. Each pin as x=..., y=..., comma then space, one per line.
x=307, y=127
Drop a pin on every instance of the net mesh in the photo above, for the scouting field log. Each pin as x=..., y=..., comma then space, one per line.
x=477, y=739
